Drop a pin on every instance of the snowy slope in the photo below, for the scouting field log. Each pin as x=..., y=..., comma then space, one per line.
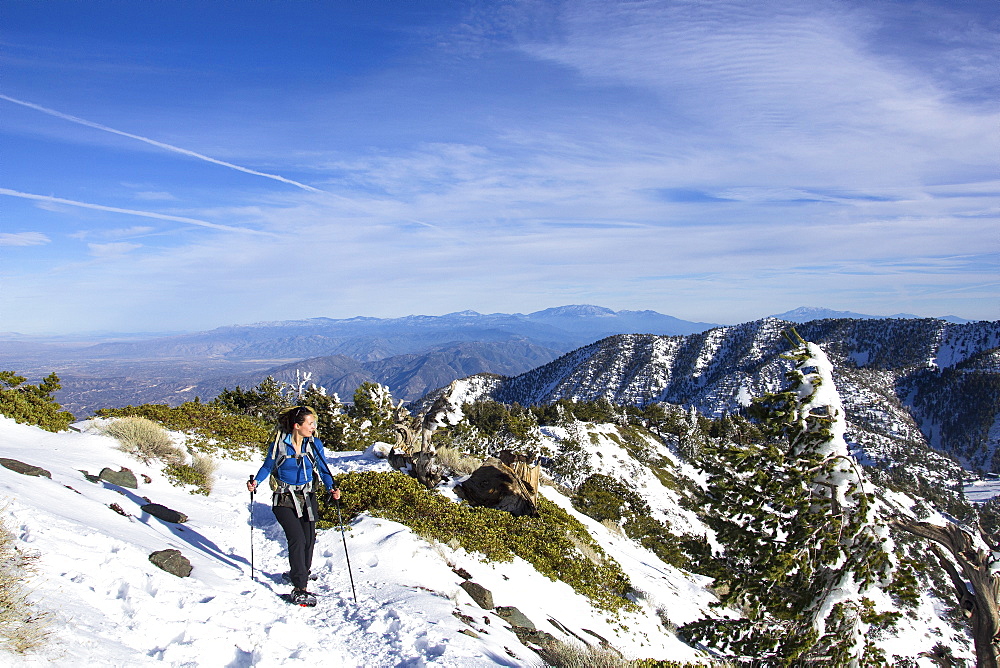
x=111, y=607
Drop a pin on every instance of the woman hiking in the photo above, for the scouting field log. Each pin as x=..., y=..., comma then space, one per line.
x=295, y=458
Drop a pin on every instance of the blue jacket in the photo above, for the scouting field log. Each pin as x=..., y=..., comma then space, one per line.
x=297, y=471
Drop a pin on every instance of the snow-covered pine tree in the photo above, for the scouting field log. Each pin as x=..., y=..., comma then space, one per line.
x=802, y=541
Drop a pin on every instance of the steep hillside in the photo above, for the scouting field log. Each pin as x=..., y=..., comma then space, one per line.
x=907, y=384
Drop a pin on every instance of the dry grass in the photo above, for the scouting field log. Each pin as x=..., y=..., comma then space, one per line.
x=565, y=655
x=23, y=627
x=205, y=467
x=144, y=439
x=459, y=462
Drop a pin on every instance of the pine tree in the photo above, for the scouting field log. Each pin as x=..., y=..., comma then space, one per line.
x=803, y=544
x=33, y=404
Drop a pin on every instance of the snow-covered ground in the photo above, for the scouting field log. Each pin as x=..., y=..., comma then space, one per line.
x=111, y=606
x=980, y=491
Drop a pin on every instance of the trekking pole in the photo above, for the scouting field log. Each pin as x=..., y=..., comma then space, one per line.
x=252, y=492
x=346, y=555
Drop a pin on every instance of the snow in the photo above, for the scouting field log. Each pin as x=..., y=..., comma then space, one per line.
x=111, y=607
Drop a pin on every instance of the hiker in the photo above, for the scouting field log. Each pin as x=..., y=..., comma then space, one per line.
x=295, y=457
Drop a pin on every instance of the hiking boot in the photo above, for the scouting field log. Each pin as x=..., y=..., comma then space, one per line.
x=302, y=598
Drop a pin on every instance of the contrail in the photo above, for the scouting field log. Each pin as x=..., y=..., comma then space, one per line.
x=132, y=212
x=158, y=144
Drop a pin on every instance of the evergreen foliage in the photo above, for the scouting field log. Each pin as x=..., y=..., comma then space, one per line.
x=263, y=402
x=550, y=542
x=209, y=428
x=33, y=404
x=803, y=544
x=604, y=498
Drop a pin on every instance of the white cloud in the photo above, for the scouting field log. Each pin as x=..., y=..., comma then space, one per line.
x=154, y=196
x=23, y=239
x=113, y=249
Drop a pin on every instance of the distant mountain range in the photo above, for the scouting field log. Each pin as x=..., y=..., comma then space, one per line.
x=412, y=355
x=807, y=313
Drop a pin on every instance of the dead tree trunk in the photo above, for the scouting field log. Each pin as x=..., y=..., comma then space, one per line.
x=977, y=587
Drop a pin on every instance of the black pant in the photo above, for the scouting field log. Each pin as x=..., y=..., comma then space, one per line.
x=300, y=534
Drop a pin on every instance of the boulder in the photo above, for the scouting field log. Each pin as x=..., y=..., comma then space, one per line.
x=164, y=513
x=480, y=594
x=123, y=478
x=172, y=561
x=515, y=617
x=24, y=469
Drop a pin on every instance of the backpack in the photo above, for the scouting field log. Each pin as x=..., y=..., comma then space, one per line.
x=279, y=454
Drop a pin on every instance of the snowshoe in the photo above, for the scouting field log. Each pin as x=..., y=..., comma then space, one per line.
x=302, y=598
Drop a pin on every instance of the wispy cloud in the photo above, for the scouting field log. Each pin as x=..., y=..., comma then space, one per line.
x=114, y=249
x=154, y=196
x=23, y=239
x=153, y=142
x=120, y=233
x=131, y=212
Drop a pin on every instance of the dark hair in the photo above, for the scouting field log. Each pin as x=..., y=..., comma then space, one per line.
x=290, y=417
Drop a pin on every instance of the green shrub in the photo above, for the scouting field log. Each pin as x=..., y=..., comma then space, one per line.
x=543, y=541
x=33, y=404
x=199, y=473
x=604, y=498
x=23, y=627
x=144, y=439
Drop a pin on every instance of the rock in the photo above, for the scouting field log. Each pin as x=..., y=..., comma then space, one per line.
x=164, y=513
x=118, y=509
x=535, y=637
x=462, y=573
x=123, y=478
x=172, y=561
x=480, y=594
x=515, y=617
x=90, y=477
x=24, y=469
x=146, y=479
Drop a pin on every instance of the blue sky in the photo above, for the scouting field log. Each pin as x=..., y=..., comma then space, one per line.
x=186, y=165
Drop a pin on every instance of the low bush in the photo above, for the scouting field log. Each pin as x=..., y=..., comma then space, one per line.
x=208, y=428
x=543, y=541
x=199, y=473
x=23, y=627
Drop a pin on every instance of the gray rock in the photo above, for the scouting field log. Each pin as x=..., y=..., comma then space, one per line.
x=172, y=561
x=515, y=617
x=480, y=594
x=535, y=638
x=123, y=478
x=24, y=469
x=164, y=513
